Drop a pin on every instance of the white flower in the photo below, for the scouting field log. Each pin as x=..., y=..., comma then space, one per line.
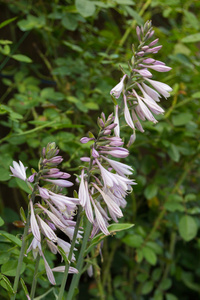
x=116, y=91
x=19, y=170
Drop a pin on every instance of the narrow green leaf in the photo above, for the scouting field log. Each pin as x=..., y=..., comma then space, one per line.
x=112, y=229
x=7, y=284
x=1, y=221
x=24, y=287
x=3, y=24
x=147, y=287
x=22, y=58
x=193, y=38
x=11, y=238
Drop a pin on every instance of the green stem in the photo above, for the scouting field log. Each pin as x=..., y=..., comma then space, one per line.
x=64, y=280
x=79, y=265
x=33, y=288
x=21, y=257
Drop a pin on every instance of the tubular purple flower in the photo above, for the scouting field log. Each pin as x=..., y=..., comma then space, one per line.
x=127, y=115
x=151, y=92
x=112, y=206
x=159, y=68
x=119, y=167
x=55, y=160
x=118, y=152
x=85, y=140
x=116, y=121
x=34, y=225
x=143, y=72
x=116, y=91
x=154, y=50
x=161, y=87
x=48, y=270
x=155, y=108
x=86, y=159
x=153, y=42
x=100, y=220
x=46, y=230
x=82, y=192
x=95, y=153
x=88, y=207
x=144, y=109
x=18, y=170
x=43, y=193
x=60, y=182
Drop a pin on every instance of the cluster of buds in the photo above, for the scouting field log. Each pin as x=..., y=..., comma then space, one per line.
x=139, y=99
x=54, y=211
x=104, y=184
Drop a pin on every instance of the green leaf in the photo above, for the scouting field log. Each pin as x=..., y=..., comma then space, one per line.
x=10, y=268
x=24, y=287
x=149, y=255
x=4, y=257
x=165, y=284
x=191, y=19
x=69, y=21
x=133, y=240
x=187, y=228
x=11, y=238
x=1, y=221
x=23, y=185
x=171, y=297
x=196, y=95
x=73, y=47
x=4, y=174
x=63, y=254
x=5, y=282
x=5, y=42
x=135, y=15
x=31, y=22
x=151, y=191
x=22, y=58
x=174, y=152
x=92, y=105
x=112, y=229
x=181, y=119
x=147, y=287
x=193, y=38
x=85, y=7
x=7, y=22
x=174, y=206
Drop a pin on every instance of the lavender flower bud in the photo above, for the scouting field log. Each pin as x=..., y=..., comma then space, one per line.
x=95, y=153
x=85, y=140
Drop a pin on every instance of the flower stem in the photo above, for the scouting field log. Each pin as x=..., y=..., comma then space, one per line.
x=21, y=257
x=35, y=277
x=64, y=280
x=79, y=265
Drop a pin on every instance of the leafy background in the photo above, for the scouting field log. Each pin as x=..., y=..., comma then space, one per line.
x=59, y=61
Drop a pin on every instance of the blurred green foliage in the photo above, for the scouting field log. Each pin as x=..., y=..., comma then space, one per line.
x=59, y=61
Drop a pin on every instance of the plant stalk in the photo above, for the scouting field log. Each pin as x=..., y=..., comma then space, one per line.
x=64, y=280
x=76, y=277
x=33, y=288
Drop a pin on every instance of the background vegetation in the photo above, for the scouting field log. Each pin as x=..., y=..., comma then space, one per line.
x=58, y=63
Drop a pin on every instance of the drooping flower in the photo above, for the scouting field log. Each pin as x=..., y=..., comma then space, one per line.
x=116, y=91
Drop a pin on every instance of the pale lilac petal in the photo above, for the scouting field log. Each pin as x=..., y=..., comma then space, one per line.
x=116, y=91
x=48, y=270
x=100, y=220
x=82, y=192
x=88, y=207
x=127, y=115
x=60, y=182
x=161, y=87
x=34, y=225
x=46, y=230
x=62, y=270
